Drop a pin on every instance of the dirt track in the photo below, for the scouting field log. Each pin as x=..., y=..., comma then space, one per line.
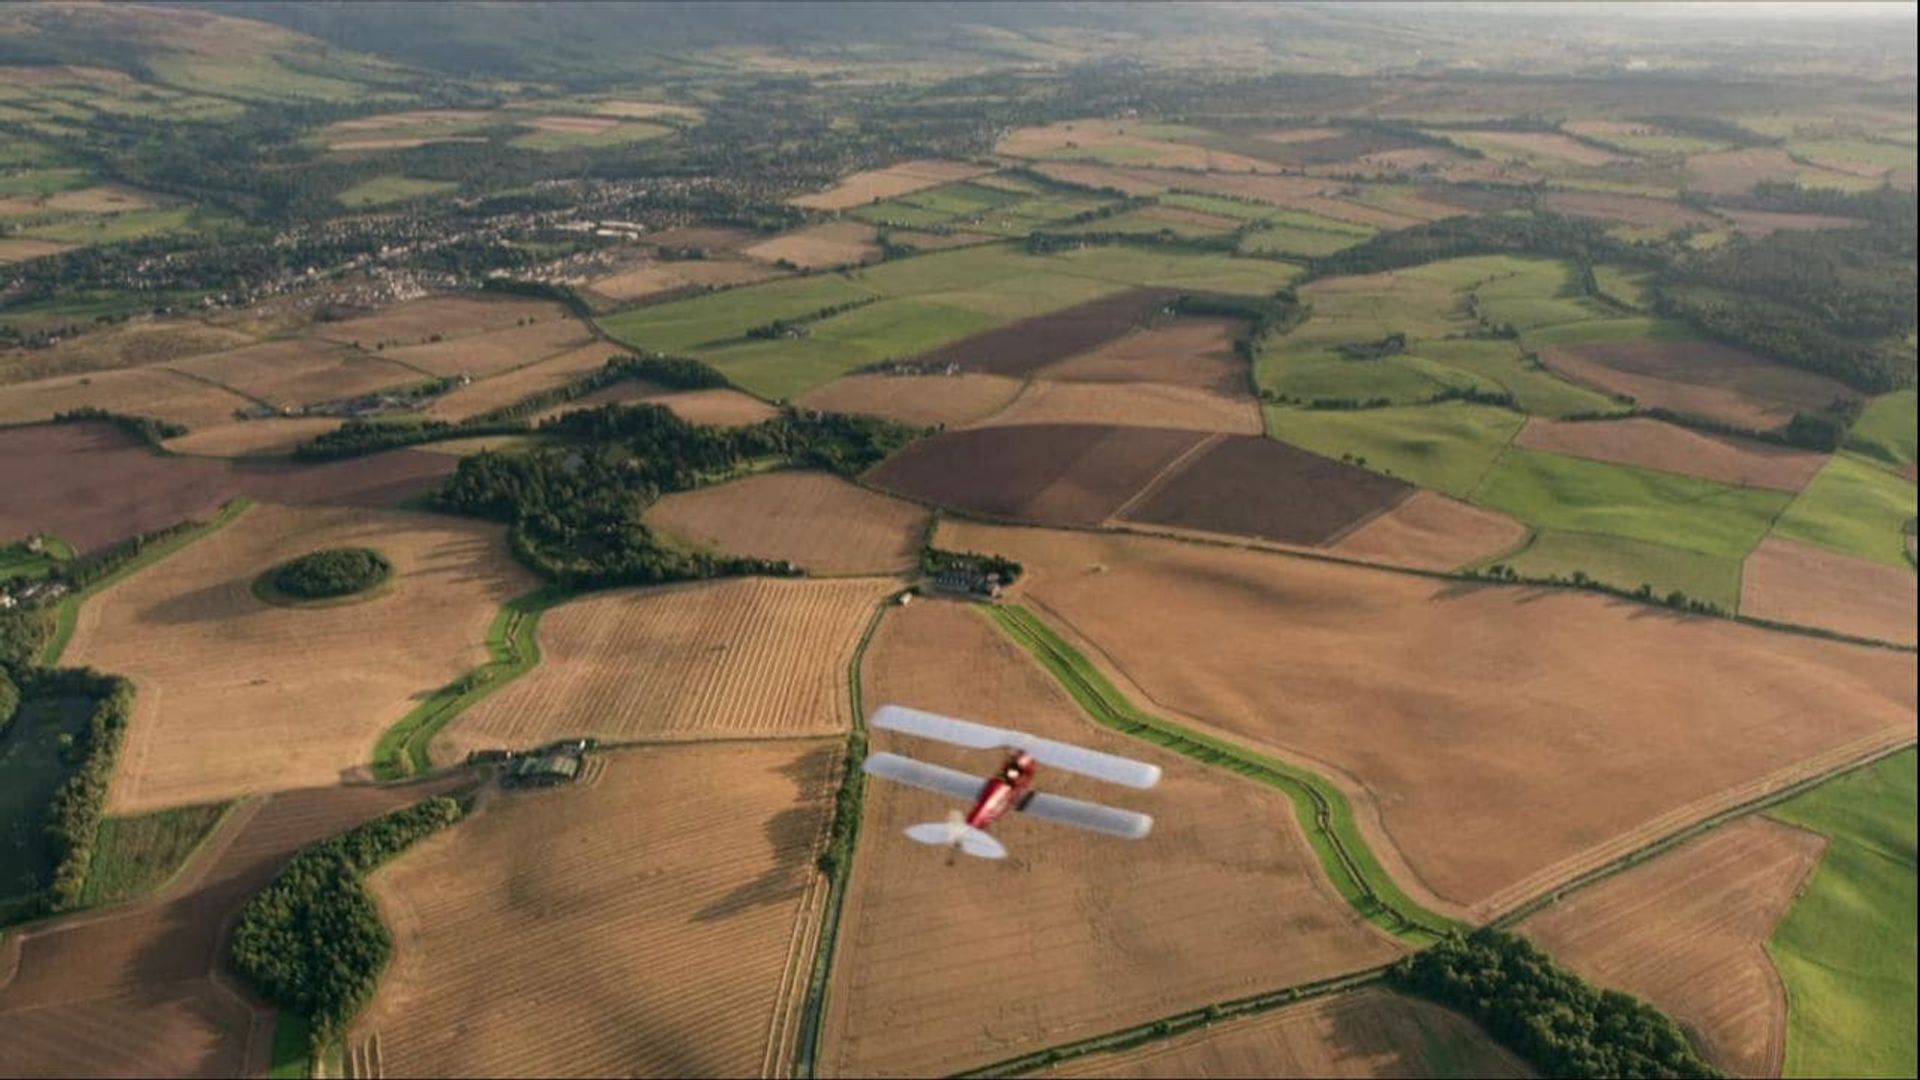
x=142, y=989
x=1506, y=737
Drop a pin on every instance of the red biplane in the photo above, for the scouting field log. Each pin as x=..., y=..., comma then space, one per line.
x=1009, y=789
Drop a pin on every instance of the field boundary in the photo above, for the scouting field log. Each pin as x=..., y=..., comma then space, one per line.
x=66, y=618
x=1180, y=1023
x=513, y=647
x=1323, y=811
x=850, y=801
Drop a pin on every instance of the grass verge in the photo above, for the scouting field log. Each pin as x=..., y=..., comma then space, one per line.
x=67, y=615
x=514, y=649
x=1324, y=812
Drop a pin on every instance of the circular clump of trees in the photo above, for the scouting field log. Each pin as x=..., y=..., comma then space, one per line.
x=329, y=573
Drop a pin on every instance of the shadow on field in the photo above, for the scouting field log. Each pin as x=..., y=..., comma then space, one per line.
x=791, y=834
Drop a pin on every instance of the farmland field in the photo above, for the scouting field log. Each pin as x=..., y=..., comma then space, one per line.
x=1448, y=447
x=1366, y=1033
x=1815, y=586
x=155, y=392
x=1852, y=507
x=1652, y=444
x=510, y=387
x=418, y=322
x=142, y=988
x=738, y=658
x=265, y=437
x=833, y=244
x=494, y=351
x=1628, y=564
x=229, y=705
x=947, y=400
x=1465, y=733
x=1252, y=486
x=814, y=520
x=299, y=371
x=578, y=932
x=1576, y=495
x=1429, y=531
x=1104, y=940
x=1885, y=431
x=91, y=485
x=866, y=187
x=650, y=278
x=1688, y=931
x=1148, y=404
x=1705, y=379
x=1845, y=950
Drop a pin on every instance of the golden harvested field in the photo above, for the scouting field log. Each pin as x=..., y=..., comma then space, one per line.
x=416, y=321
x=155, y=392
x=496, y=350
x=508, y=387
x=812, y=519
x=240, y=696
x=101, y=199
x=1142, y=404
x=1654, y=444
x=123, y=346
x=1182, y=352
x=584, y=125
x=658, y=921
x=1816, y=586
x=932, y=400
x=253, y=438
x=1367, y=1033
x=650, y=278
x=940, y=968
x=832, y=244
x=1109, y=140
x=1688, y=931
x=731, y=659
x=1429, y=531
x=865, y=187
x=1502, y=738
x=299, y=371
x=644, y=110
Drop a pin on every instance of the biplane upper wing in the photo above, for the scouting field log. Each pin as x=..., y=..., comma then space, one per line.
x=1086, y=815
x=1109, y=767
x=934, y=778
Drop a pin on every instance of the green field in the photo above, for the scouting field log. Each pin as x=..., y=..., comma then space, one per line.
x=32, y=766
x=1404, y=378
x=922, y=303
x=382, y=190
x=16, y=561
x=1846, y=949
x=632, y=131
x=1853, y=506
x=114, y=228
x=1505, y=364
x=1296, y=242
x=1447, y=447
x=133, y=856
x=1368, y=308
x=1628, y=564
x=36, y=183
x=1885, y=432
x=1576, y=495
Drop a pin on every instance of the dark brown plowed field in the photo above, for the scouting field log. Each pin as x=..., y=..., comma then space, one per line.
x=90, y=485
x=1699, y=378
x=1019, y=347
x=1054, y=474
x=1253, y=486
x=142, y=989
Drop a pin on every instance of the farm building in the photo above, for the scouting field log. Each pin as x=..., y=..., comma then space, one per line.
x=551, y=769
x=967, y=583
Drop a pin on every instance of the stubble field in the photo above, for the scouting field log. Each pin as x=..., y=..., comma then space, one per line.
x=656, y=921
x=814, y=520
x=1223, y=899
x=236, y=696
x=1815, y=586
x=1368, y=1033
x=1453, y=740
x=1652, y=444
x=734, y=659
x=1688, y=932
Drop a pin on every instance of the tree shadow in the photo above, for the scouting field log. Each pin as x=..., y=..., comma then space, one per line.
x=792, y=834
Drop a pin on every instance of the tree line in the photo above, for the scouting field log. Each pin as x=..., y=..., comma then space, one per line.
x=1551, y=1017
x=575, y=504
x=312, y=941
